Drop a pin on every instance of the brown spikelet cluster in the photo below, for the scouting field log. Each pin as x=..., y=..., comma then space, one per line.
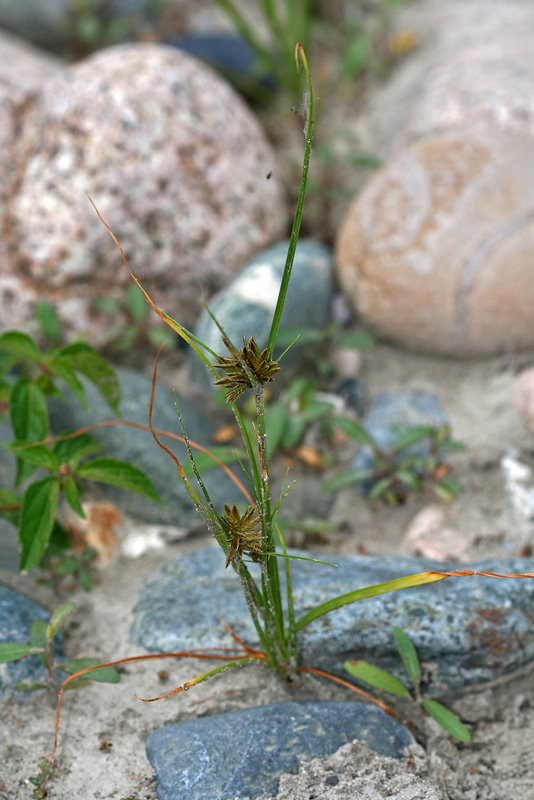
x=237, y=381
x=243, y=532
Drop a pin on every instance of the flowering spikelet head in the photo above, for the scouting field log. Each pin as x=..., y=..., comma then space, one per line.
x=243, y=532
x=238, y=380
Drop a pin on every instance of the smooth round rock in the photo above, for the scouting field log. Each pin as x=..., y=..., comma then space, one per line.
x=436, y=251
x=246, y=306
x=175, y=163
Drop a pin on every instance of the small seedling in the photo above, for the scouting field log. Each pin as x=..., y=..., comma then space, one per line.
x=394, y=473
x=28, y=377
x=386, y=682
x=42, y=644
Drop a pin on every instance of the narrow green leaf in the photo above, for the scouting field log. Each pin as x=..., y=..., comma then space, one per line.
x=409, y=479
x=136, y=303
x=39, y=455
x=443, y=494
x=20, y=344
x=379, y=488
x=37, y=520
x=451, y=485
x=354, y=429
x=104, y=675
x=118, y=473
x=448, y=721
x=408, y=654
x=58, y=618
x=275, y=420
x=346, y=478
x=29, y=687
x=72, y=495
x=12, y=651
x=408, y=436
x=368, y=591
x=80, y=357
x=376, y=677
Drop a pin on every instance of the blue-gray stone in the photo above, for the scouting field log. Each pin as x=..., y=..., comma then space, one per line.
x=139, y=448
x=466, y=630
x=245, y=307
x=17, y=613
x=243, y=753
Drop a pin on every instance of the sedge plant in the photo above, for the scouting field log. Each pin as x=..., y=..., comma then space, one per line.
x=252, y=534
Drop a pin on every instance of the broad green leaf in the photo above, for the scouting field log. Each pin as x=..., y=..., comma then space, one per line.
x=28, y=411
x=60, y=368
x=37, y=520
x=408, y=653
x=72, y=495
x=20, y=344
x=58, y=618
x=448, y=721
x=80, y=357
x=39, y=455
x=12, y=651
x=293, y=432
x=72, y=451
x=120, y=474
x=136, y=303
x=357, y=340
x=376, y=677
x=368, y=591
x=346, y=478
x=10, y=506
x=354, y=429
x=48, y=320
x=104, y=675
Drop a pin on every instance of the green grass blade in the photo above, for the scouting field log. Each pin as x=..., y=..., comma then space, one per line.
x=368, y=591
x=297, y=220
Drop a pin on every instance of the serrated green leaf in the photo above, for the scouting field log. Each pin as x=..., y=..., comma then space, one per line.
x=104, y=675
x=71, y=491
x=376, y=677
x=72, y=451
x=39, y=505
x=347, y=478
x=354, y=429
x=63, y=371
x=448, y=721
x=20, y=345
x=8, y=506
x=39, y=455
x=12, y=651
x=80, y=357
x=408, y=654
x=58, y=618
x=120, y=474
x=28, y=411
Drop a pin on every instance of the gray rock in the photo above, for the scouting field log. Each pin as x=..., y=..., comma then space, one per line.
x=466, y=630
x=245, y=307
x=243, y=753
x=140, y=449
x=39, y=22
x=17, y=613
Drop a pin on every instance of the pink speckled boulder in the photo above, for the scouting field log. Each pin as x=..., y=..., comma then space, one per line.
x=437, y=252
x=175, y=163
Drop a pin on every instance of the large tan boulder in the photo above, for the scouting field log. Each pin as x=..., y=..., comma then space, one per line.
x=437, y=252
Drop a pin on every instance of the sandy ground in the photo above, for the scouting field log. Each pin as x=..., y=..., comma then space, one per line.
x=103, y=728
